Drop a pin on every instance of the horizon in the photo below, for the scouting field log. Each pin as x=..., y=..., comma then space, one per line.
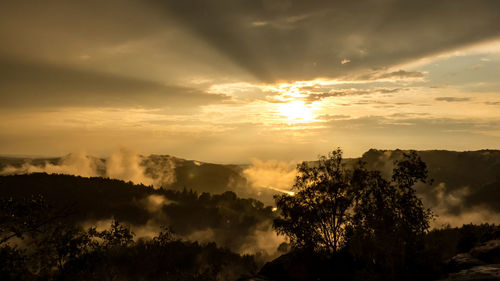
x=20, y=156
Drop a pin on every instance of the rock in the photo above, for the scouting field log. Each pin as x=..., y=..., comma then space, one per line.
x=480, y=263
x=255, y=278
x=303, y=265
x=489, y=272
x=489, y=252
x=463, y=261
x=287, y=267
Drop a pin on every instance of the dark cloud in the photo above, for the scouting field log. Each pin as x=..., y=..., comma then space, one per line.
x=452, y=99
x=293, y=39
x=317, y=97
x=316, y=89
x=492, y=103
x=391, y=91
x=383, y=74
x=408, y=115
x=340, y=93
x=329, y=117
x=27, y=84
x=401, y=74
x=350, y=92
x=270, y=39
x=60, y=26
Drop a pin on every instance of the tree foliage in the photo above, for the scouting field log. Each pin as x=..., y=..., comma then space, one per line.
x=40, y=244
x=335, y=207
x=316, y=215
x=389, y=220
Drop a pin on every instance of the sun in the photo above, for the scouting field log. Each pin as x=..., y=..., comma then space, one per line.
x=297, y=111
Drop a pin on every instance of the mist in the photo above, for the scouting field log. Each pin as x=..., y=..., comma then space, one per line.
x=272, y=174
x=123, y=164
x=453, y=202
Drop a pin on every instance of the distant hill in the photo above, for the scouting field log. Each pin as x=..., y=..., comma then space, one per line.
x=465, y=188
x=159, y=170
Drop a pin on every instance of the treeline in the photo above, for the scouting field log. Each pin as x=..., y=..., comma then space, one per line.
x=232, y=220
x=39, y=242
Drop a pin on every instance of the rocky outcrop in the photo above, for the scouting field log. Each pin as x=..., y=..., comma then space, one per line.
x=480, y=263
x=255, y=278
x=463, y=261
x=477, y=273
x=488, y=252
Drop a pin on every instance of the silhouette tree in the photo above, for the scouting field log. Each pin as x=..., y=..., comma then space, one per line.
x=20, y=217
x=316, y=215
x=334, y=206
x=389, y=220
x=118, y=235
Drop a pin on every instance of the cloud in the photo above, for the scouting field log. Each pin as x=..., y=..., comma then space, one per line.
x=271, y=39
x=264, y=240
x=26, y=84
x=452, y=99
x=337, y=93
x=334, y=117
x=126, y=165
x=344, y=61
x=155, y=202
x=418, y=124
x=260, y=23
x=123, y=164
x=311, y=97
x=383, y=75
x=72, y=164
x=390, y=90
x=160, y=168
x=492, y=103
x=474, y=216
x=401, y=74
x=456, y=206
x=375, y=33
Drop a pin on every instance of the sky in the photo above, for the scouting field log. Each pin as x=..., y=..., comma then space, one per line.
x=228, y=81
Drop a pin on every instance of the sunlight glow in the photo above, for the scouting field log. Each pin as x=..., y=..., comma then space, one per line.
x=297, y=111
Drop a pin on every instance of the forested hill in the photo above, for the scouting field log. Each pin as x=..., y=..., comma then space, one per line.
x=473, y=168
x=230, y=221
x=162, y=170
x=465, y=187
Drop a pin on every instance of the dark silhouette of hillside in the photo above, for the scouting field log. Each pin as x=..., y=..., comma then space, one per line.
x=470, y=176
x=346, y=221
x=230, y=220
x=47, y=246
x=473, y=177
